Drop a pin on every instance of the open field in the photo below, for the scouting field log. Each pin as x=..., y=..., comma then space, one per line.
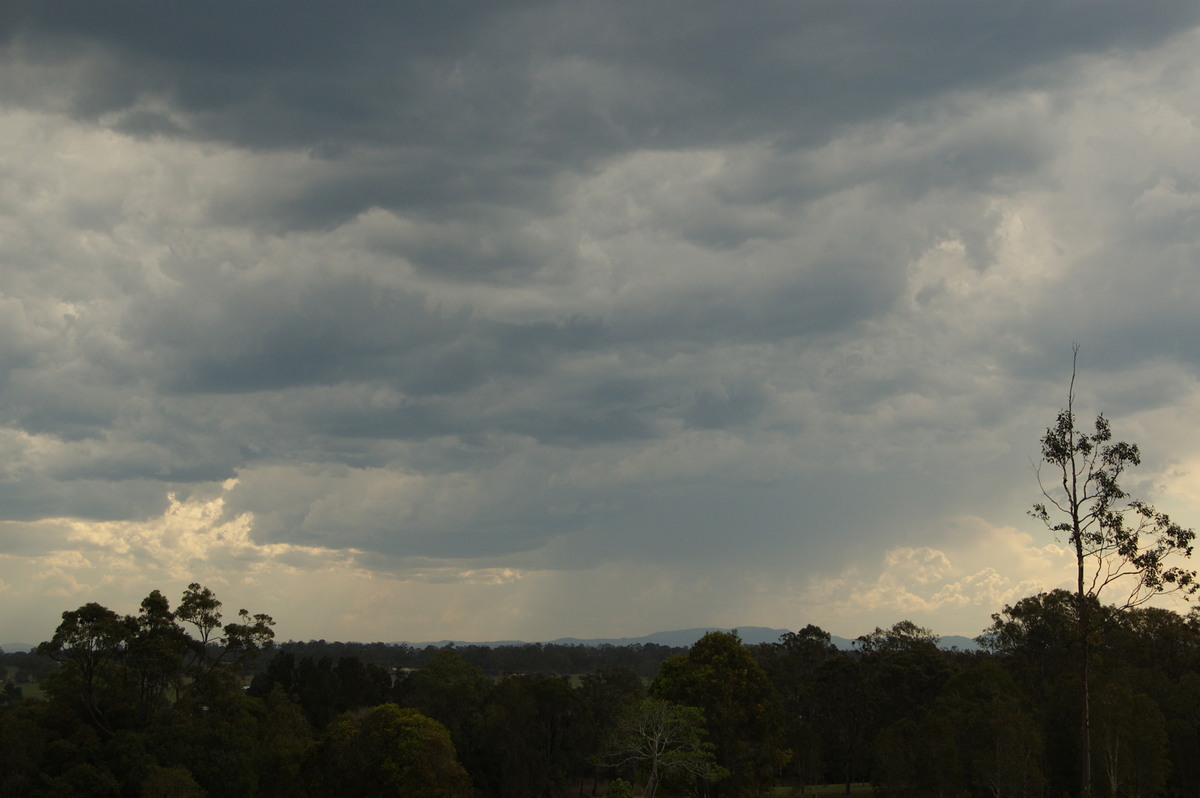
x=28, y=689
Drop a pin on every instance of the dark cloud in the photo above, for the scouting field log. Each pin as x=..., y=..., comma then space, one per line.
x=107, y=499
x=486, y=104
x=731, y=407
x=541, y=287
x=242, y=337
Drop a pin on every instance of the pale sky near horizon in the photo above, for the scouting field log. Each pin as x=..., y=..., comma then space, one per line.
x=528, y=320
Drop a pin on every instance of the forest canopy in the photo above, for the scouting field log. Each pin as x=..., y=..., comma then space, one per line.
x=177, y=701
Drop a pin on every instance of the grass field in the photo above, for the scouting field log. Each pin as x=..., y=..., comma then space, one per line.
x=28, y=689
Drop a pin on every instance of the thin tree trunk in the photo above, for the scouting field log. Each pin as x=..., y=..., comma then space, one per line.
x=1085, y=669
x=1072, y=489
x=1085, y=723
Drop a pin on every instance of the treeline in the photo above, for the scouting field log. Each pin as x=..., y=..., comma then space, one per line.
x=547, y=658
x=139, y=707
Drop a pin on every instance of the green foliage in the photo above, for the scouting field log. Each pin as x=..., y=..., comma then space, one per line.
x=542, y=658
x=532, y=737
x=174, y=782
x=447, y=689
x=1043, y=625
x=605, y=696
x=1129, y=739
x=719, y=721
x=793, y=665
x=1181, y=711
x=452, y=692
x=665, y=742
x=91, y=641
x=219, y=746
x=10, y=695
x=84, y=780
x=23, y=745
x=125, y=670
x=906, y=668
x=903, y=637
x=282, y=745
x=386, y=751
x=846, y=706
x=619, y=788
x=740, y=707
x=236, y=642
x=200, y=608
x=998, y=743
x=917, y=757
x=322, y=690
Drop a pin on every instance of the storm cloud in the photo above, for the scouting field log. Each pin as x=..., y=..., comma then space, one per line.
x=538, y=319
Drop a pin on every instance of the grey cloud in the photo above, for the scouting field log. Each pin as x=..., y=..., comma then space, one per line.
x=553, y=285
x=555, y=412
x=175, y=452
x=244, y=336
x=462, y=92
x=408, y=420
x=454, y=515
x=587, y=425
x=427, y=183
x=37, y=497
x=59, y=377
x=21, y=539
x=727, y=407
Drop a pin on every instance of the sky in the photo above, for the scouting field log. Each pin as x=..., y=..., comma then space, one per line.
x=526, y=320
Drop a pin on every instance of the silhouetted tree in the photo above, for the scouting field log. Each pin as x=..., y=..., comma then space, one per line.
x=91, y=642
x=1118, y=542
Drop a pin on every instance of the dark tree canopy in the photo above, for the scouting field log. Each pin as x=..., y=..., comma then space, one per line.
x=721, y=677
x=386, y=751
x=166, y=715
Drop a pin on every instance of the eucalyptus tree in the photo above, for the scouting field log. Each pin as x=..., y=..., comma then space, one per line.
x=91, y=642
x=119, y=667
x=793, y=665
x=1121, y=545
x=664, y=741
x=741, y=710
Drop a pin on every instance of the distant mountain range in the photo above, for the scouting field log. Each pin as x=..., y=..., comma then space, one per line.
x=683, y=638
x=679, y=638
